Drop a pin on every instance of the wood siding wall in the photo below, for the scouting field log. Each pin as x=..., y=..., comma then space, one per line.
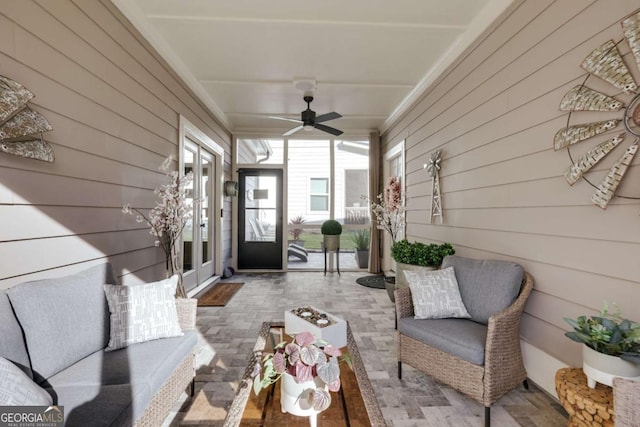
x=494, y=113
x=114, y=105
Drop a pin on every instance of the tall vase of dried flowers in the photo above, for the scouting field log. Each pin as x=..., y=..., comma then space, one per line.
x=388, y=211
x=168, y=218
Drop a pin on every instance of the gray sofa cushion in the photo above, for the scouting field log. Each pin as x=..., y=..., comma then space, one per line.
x=12, y=346
x=101, y=406
x=462, y=338
x=486, y=286
x=150, y=363
x=75, y=313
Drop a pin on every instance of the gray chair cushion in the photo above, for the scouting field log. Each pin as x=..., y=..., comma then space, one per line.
x=101, y=406
x=462, y=338
x=149, y=363
x=12, y=346
x=64, y=319
x=486, y=286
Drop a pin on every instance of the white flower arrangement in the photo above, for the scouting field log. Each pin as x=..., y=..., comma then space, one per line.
x=168, y=218
x=388, y=212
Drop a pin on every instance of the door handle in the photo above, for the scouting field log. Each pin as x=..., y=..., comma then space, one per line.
x=203, y=225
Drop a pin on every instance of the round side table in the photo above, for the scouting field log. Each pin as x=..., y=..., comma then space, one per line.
x=587, y=407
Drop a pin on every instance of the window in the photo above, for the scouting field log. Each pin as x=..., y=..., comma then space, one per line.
x=319, y=194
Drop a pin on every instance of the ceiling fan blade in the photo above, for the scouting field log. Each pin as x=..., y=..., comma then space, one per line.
x=326, y=117
x=285, y=119
x=292, y=131
x=328, y=129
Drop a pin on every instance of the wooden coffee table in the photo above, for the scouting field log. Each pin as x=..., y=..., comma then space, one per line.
x=354, y=405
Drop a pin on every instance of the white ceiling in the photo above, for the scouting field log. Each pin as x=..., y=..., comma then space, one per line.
x=370, y=58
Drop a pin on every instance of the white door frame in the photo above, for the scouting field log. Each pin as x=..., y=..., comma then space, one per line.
x=190, y=131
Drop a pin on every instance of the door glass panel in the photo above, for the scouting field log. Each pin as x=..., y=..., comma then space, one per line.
x=187, y=235
x=205, y=229
x=260, y=208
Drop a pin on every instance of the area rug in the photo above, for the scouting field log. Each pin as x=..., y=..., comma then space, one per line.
x=219, y=295
x=376, y=281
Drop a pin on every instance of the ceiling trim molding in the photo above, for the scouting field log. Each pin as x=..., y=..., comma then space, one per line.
x=133, y=12
x=290, y=83
x=477, y=26
x=305, y=22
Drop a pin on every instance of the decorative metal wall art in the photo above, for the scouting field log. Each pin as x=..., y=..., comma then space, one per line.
x=21, y=127
x=433, y=169
x=606, y=63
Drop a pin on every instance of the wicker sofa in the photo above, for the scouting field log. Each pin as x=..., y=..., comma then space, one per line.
x=56, y=331
x=481, y=356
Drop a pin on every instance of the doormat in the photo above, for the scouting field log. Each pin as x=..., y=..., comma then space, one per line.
x=219, y=295
x=376, y=282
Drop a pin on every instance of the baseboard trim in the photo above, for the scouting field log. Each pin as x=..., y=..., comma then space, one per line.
x=541, y=367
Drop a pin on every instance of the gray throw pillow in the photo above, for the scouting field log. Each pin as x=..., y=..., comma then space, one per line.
x=142, y=313
x=17, y=389
x=435, y=294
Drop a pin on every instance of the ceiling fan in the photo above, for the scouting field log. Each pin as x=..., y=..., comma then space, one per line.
x=309, y=120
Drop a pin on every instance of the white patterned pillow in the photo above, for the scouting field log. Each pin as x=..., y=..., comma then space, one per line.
x=17, y=389
x=142, y=313
x=435, y=294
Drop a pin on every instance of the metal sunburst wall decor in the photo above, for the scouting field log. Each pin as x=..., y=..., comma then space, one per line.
x=605, y=63
x=21, y=127
x=433, y=168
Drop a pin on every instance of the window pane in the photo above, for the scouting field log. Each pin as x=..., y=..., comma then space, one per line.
x=319, y=186
x=319, y=203
x=262, y=151
x=307, y=159
x=352, y=181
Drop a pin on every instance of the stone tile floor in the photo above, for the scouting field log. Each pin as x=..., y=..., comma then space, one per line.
x=228, y=334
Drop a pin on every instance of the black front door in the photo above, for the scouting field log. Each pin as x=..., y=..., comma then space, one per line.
x=260, y=219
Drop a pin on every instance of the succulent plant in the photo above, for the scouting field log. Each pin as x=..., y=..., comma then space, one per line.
x=608, y=334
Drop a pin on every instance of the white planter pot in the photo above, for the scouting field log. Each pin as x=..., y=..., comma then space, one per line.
x=602, y=368
x=295, y=398
x=331, y=242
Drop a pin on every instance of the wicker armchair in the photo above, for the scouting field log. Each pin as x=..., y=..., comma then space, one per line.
x=503, y=368
x=626, y=402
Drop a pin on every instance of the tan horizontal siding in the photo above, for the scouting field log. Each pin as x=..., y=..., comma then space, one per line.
x=494, y=114
x=114, y=105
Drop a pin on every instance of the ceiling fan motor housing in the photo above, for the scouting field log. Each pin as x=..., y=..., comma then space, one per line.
x=308, y=117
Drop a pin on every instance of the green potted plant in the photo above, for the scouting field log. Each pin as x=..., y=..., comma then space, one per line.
x=360, y=239
x=611, y=345
x=416, y=256
x=331, y=231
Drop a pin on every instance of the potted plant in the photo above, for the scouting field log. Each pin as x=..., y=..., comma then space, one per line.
x=331, y=231
x=611, y=345
x=360, y=239
x=416, y=256
x=309, y=370
x=296, y=232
